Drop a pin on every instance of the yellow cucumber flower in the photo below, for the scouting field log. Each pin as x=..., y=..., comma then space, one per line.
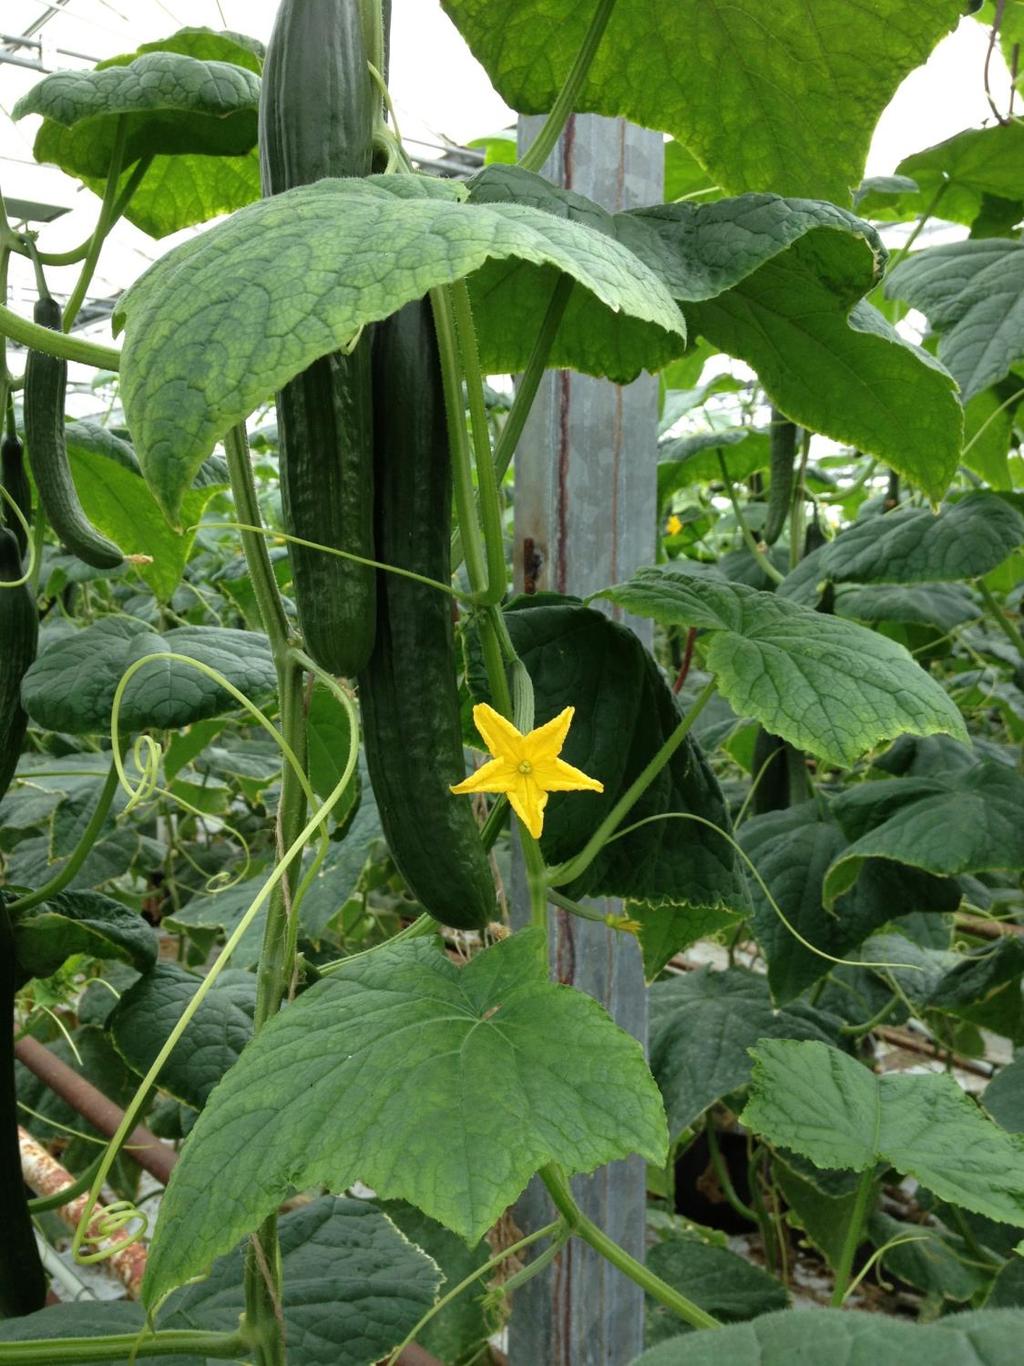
x=525, y=767
x=674, y=525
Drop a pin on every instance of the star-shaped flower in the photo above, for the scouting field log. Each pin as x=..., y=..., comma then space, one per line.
x=525, y=767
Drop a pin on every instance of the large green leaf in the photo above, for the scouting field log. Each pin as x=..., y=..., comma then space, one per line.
x=766, y=97
x=833, y=1337
x=779, y=283
x=80, y=922
x=911, y=545
x=954, y=176
x=291, y=278
x=491, y=1072
x=792, y=850
x=942, y=605
x=624, y=713
x=824, y=684
x=71, y=686
x=973, y=295
x=464, y=1324
x=1003, y=1097
x=964, y=823
x=694, y=459
x=190, y=103
x=117, y=500
x=353, y=1286
x=831, y=1109
x=703, y=1025
x=721, y=1282
x=215, y=1036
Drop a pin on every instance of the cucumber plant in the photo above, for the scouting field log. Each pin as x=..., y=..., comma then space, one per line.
x=253, y=618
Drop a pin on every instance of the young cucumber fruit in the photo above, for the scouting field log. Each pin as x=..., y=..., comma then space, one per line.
x=22, y=1280
x=15, y=481
x=407, y=692
x=45, y=385
x=317, y=115
x=19, y=636
x=780, y=492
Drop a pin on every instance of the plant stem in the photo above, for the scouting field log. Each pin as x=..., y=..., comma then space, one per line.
x=52, y=343
x=853, y=1236
x=80, y=852
x=526, y=391
x=561, y=1194
x=103, y=225
x=565, y=102
x=1000, y=618
x=173, y=1342
x=567, y=872
x=487, y=484
x=930, y=208
x=490, y=1265
x=462, y=471
x=722, y=1172
x=263, y=1283
x=762, y=559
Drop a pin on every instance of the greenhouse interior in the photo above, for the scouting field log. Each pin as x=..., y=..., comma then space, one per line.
x=512, y=682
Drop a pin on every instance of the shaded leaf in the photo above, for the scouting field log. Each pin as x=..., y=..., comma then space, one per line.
x=723, y=1284
x=703, y=1025
x=80, y=922
x=71, y=687
x=215, y=1036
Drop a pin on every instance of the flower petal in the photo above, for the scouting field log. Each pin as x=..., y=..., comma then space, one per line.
x=528, y=802
x=494, y=776
x=546, y=741
x=499, y=735
x=557, y=776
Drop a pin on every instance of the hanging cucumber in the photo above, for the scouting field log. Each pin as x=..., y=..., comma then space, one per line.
x=22, y=1280
x=407, y=692
x=317, y=116
x=14, y=478
x=780, y=492
x=19, y=636
x=45, y=384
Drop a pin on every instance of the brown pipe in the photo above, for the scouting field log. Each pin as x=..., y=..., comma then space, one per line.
x=141, y=1145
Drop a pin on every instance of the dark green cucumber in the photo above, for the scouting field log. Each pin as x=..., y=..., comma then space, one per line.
x=22, y=1280
x=14, y=478
x=19, y=636
x=317, y=117
x=407, y=692
x=780, y=492
x=45, y=384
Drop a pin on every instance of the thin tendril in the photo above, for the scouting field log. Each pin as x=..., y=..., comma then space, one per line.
x=820, y=953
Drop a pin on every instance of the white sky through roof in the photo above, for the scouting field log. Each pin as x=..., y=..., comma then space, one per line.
x=439, y=89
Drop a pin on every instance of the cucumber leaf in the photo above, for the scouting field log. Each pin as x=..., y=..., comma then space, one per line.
x=145, y=1015
x=972, y=293
x=833, y=1110
x=80, y=922
x=472, y=1055
x=761, y=95
x=227, y=318
x=190, y=102
x=826, y=685
x=703, y=1025
x=965, y=823
x=71, y=686
x=837, y=1337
